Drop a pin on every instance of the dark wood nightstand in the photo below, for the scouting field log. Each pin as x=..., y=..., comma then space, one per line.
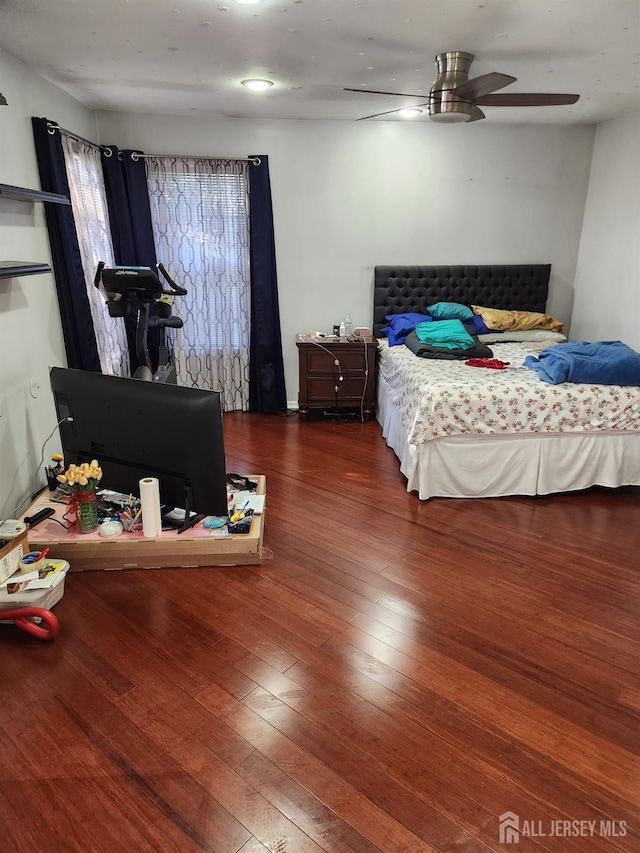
x=337, y=374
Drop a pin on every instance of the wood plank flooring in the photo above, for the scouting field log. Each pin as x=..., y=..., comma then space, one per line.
x=394, y=677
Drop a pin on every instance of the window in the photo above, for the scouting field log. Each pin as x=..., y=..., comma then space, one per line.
x=200, y=216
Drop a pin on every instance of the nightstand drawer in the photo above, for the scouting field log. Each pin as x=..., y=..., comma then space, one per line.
x=322, y=388
x=319, y=361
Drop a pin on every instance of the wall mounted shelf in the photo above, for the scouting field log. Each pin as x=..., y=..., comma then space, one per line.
x=23, y=194
x=13, y=269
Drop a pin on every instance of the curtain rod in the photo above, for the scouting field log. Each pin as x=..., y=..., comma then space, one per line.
x=52, y=127
x=136, y=156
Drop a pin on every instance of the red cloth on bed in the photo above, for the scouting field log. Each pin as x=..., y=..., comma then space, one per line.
x=493, y=363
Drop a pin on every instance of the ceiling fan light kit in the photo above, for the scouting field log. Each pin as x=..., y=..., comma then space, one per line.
x=454, y=98
x=450, y=113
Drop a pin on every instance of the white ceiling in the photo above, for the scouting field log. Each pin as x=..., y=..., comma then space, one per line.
x=189, y=56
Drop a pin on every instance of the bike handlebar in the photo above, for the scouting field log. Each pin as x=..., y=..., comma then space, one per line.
x=98, y=275
x=176, y=290
x=143, y=280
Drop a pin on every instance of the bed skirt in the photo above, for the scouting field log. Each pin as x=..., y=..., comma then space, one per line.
x=483, y=466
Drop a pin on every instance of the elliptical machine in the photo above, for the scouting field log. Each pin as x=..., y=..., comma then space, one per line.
x=130, y=292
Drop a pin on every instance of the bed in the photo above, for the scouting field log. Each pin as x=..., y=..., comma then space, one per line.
x=460, y=431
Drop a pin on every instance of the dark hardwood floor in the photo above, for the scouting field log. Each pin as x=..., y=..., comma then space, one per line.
x=395, y=676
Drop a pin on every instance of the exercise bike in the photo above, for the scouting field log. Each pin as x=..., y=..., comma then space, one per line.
x=130, y=292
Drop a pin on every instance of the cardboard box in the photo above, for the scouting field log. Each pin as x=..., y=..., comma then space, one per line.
x=45, y=598
x=11, y=554
x=196, y=547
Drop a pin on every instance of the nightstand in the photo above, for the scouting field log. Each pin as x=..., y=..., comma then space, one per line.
x=320, y=382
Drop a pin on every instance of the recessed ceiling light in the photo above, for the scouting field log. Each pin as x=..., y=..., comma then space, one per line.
x=248, y=2
x=257, y=85
x=411, y=112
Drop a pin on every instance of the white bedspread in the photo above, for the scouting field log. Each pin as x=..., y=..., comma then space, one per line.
x=447, y=398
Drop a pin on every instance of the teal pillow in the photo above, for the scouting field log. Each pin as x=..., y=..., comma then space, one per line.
x=450, y=311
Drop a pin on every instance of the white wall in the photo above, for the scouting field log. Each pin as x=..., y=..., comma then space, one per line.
x=608, y=274
x=30, y=332
x=348, y=196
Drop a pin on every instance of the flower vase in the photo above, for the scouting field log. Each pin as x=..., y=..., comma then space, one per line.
x=87, y=512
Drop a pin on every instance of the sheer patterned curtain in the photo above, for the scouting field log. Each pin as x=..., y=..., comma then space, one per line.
x=200, y=215
x=89, y=205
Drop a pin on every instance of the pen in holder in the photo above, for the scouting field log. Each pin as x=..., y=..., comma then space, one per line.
x=242, y=525
x=131, y=520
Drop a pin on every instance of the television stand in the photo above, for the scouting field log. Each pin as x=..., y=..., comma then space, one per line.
x=176, y=518
x=197, y=546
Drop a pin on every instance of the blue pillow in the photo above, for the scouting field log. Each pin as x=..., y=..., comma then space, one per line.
x=392, y=339
x=405, y=323
x=400, y=325
x=476, y=326
x=450, y=311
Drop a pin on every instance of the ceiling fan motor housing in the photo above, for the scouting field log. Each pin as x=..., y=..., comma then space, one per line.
x=444, y=105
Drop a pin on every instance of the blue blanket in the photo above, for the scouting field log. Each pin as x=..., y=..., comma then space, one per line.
x=600, y=363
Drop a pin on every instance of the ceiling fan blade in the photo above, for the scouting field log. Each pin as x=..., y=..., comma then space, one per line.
x=526, y=99
x=373, y=92
x=475, y=88
x=476, y=115
x=397, y=110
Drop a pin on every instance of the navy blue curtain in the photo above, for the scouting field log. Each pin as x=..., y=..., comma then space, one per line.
x=267, y=393
x=75, y=313
x=125, y=183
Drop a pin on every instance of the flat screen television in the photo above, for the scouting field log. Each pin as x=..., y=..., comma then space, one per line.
x=138, y=429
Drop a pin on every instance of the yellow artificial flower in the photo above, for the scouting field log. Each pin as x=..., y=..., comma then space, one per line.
x=82, y=477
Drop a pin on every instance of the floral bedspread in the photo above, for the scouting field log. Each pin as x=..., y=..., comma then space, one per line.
x=439, y=398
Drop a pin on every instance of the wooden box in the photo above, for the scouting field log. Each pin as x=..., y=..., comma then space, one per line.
x=197, y=546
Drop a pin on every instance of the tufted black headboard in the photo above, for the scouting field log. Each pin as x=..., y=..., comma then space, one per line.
x=522, y=287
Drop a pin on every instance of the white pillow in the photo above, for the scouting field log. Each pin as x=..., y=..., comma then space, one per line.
x=529, y=335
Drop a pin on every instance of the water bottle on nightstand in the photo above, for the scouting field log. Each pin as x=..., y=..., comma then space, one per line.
x=348, y=325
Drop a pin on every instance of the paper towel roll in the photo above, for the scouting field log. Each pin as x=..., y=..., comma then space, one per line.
x=150, y=502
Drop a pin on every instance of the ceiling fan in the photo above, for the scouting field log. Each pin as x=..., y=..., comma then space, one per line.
x=455, y=98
